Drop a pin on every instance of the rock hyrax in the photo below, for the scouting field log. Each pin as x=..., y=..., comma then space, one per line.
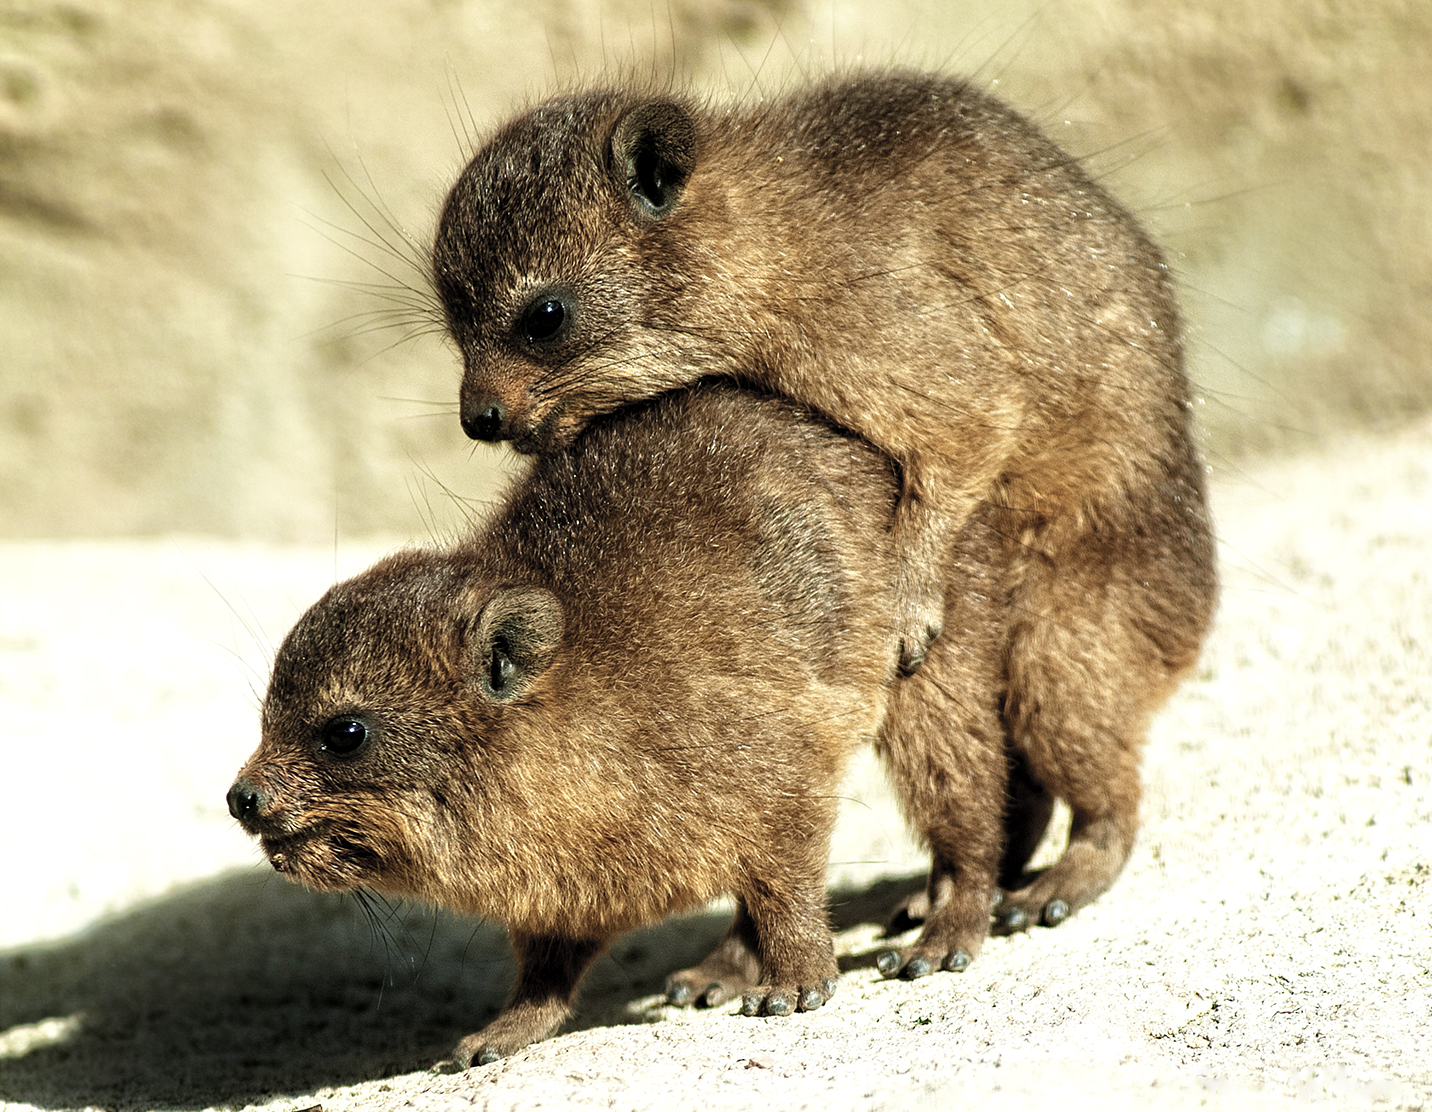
x=915, y=261
x=632, y=690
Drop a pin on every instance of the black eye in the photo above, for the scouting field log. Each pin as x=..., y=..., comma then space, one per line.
x=344, y=736
x=546, y=318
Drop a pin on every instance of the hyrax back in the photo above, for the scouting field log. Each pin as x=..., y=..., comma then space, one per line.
x=636, y=688
x=912, y=259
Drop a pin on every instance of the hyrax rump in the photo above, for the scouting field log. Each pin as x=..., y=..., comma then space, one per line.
x=632, y=690
x=912, y=259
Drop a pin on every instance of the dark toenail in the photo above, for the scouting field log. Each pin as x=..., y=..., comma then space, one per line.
x=957, y=961
x=828, y=986
x=678, y=994
x=778, y=1003
x=1016, y=919
x=811, y=999
x=888, y=963
x=917, y=967
x=996, y=899
x=751, y=1003
x=1055, y=912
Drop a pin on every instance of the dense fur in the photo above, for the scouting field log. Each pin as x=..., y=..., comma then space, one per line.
x=634, y=690
x=912, y=259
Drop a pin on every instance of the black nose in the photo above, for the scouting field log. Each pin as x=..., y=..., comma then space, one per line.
x=484, y=420
x=244, y=800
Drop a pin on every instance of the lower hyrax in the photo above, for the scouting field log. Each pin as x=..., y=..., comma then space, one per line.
x=916, y=262
x=636, y=688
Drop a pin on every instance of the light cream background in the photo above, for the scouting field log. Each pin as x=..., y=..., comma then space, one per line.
x=198, y=200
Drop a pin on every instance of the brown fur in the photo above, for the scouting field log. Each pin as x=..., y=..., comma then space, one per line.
x=679, y=680
x=910, y=258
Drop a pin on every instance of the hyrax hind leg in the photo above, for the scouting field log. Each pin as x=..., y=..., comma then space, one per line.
x=1102, y=627
x=943, y=743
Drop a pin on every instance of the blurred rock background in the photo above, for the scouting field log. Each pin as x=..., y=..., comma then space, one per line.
x=213, y=214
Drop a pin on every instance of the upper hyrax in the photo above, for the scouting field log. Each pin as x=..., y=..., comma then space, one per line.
x=915, y=261
x=634, y=689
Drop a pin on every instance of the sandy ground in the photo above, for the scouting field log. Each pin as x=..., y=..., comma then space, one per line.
x=1267, y=948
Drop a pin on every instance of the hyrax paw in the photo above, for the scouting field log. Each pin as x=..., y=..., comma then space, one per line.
x=783, y=999
x=1012, y=917
x=686, y=992
x=477, y=1051
x=724, y=975
x=956, y=922
x=504, y=1036
x=912, y=964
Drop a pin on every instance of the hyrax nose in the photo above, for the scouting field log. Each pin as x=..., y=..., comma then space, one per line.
x=246, y=801
x=484, y=419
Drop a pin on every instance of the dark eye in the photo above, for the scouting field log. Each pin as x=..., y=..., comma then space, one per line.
x=546, y=318
x=344, y=736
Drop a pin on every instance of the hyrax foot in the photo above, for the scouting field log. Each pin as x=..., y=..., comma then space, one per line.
x=917, y=962
x=505, y=1035
x=713, y=982
x=950, y=940
x=727, y=971
x=691, y=988
x=1018, y=913
x=1087, y=869
x=785, y=999
x=548, y=969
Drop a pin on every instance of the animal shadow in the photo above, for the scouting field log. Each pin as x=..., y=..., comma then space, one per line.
x=240, y=987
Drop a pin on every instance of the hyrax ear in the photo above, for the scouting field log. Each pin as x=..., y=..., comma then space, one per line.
x=512, y=641
x=653, y=154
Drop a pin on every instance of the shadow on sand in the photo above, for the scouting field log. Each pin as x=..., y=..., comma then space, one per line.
x=243, y=988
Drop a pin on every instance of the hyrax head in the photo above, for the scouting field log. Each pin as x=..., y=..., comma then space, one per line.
x=552, y=260
x=386, y=701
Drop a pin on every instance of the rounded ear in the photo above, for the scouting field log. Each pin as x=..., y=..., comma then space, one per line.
x=653, y=154
x=512, y=641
